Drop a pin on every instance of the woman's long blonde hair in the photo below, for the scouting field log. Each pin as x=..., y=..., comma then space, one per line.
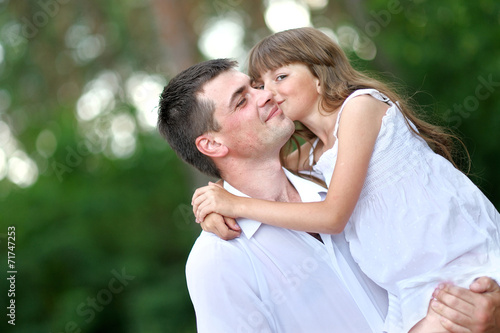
x=328, y=62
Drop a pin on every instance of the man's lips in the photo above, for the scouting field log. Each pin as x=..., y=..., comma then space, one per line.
x=274, y=111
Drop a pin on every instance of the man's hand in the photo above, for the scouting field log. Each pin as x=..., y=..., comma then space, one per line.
x=469, y=311
x=213, y=199
x=224, y=227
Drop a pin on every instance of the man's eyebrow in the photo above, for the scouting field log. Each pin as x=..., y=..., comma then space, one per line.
x=235, y=95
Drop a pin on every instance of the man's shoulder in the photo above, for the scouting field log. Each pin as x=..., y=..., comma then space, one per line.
x=210, y=253
x=210, y=242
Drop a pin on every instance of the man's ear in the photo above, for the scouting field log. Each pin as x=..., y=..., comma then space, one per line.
x=208, y=145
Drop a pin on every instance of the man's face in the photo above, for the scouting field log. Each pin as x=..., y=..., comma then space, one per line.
x=251, y=122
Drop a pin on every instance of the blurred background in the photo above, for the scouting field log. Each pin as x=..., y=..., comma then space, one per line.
x=99, y=202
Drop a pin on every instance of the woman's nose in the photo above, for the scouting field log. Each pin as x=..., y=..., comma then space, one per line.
x=271, y=88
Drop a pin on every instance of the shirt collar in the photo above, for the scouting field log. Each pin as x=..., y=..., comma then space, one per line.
x=308, y=192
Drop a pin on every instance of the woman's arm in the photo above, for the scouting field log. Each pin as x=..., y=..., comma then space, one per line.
x=358, y=131
x=225, y=228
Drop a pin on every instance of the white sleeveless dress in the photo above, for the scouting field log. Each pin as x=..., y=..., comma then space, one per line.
x=418, y=222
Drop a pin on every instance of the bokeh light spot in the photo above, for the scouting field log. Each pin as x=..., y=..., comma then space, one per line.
x=330, y=33
x=364, y=48
x=99, y=96
x=286, y=14
x=143, y=91
x=85, y=46
x=3, y=164
x=46, y=143
x=347, y=35
x=4, y=100
x=5, y=134
x=317, y=4
x=123, y=141
x=223, y=38
x=22, y=170
x=2, y=54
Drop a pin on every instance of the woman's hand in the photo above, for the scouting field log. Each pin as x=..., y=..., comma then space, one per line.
x=213, y=199
x=225, y=228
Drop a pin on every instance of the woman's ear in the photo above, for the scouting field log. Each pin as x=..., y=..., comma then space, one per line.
x=318, y=86
x=208, y=145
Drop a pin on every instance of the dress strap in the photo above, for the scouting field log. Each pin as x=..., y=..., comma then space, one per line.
x=311, y=152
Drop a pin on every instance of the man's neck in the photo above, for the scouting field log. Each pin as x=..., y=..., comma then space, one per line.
x=265, y=181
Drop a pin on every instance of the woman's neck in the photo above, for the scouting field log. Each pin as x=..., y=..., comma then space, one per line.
x=322, y=124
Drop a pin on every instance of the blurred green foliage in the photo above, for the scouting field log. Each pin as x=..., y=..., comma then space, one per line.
x=92, y=217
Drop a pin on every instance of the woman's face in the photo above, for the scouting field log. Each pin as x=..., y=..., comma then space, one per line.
x=295, y=88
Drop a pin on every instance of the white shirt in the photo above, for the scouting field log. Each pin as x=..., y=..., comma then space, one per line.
x=272, y=279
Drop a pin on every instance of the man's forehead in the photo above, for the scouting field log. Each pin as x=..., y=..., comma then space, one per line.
x=231, y=78
x=221, y=88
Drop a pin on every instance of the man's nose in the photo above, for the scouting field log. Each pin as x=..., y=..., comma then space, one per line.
x=264, y=97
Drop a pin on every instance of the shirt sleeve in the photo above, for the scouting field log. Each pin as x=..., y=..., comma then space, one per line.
x=224, y=288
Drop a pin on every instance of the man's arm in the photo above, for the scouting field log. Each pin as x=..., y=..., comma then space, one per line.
x=475, y=310
x=224, y=290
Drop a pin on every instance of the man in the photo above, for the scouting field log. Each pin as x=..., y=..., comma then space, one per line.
x=273, y=279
